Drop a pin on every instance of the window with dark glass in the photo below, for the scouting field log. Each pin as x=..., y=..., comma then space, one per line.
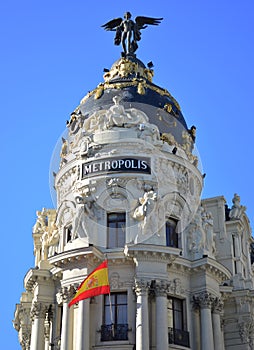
x=171, y=234
x=115, y=325
x=177, y=322
x=68, y=233
x=116, y=223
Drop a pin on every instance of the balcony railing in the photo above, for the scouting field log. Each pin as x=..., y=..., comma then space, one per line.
x=114, y=332
x=178, y=337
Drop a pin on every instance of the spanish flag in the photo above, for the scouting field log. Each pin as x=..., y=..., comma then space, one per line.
x=96, y=283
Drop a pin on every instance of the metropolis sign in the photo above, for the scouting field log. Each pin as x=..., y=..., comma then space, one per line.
x=117, y=164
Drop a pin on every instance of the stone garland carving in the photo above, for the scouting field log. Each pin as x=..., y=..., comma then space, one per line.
x=237, y=209
x=200, y=236
x=175, y=287
x=114, y=185
x=246, y=330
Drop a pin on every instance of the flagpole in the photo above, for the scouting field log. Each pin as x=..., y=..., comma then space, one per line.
x=110, y=307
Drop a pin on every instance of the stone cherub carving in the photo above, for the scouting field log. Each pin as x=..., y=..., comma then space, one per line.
x=237, y=209
x=128, y=30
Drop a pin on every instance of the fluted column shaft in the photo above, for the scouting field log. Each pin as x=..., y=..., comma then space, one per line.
x=196, y=327
x=66, y=294
x=217, y=331
x=83, y=329
x=37, y=335
x=142, y=324
x=205, y=301
x=161, y=316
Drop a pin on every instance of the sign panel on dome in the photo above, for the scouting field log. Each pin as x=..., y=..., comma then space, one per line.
x=117, y=164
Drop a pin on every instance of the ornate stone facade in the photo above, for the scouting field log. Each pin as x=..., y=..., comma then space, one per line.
x=128, y=189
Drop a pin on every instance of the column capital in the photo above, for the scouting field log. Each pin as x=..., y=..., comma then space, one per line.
x=141, y=287
x=204, y=300
x=218, y=305
x=38, y=310
x=65, y=294
x=160, y=288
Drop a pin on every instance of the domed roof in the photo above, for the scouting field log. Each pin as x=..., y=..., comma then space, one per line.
x=131, y=80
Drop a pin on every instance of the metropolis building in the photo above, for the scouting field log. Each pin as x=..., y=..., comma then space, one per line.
x=128, y=189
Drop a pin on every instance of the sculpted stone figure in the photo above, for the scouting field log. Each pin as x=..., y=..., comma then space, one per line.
x=49, y=242
x=147, y=213
x=128, y=31
x=41, y=222
x=200, y=238
x=115, y=116
x=237, y=209
x=141, y=211
x=84, y=209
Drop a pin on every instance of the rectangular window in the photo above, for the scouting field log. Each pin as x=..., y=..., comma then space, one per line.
x=115, y=325
x=177, y=322
x=171, y=235
x=116, y=223
x=68, y=233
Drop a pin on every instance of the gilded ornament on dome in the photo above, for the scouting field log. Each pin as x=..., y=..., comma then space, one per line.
x=141, y=88
x=168, y=107
x=99, y=91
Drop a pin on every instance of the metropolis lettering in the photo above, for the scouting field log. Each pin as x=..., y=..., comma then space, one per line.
x=117, y=164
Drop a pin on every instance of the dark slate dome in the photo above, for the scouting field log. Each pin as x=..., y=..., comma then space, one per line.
x=130, y=79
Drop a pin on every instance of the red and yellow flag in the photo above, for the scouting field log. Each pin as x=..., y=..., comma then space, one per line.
x=96, y=283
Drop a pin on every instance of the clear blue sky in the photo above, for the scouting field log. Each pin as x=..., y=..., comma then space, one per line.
x=53, y=52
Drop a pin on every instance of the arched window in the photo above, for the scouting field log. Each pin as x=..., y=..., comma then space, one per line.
x=171, y=234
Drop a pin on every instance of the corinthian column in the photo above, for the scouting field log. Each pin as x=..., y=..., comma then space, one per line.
x=196, y=326
x=38, y=313
x=142, y=325
x=205, y=301
x=83, y=330
x=217, y=332
x=66, y=334
x=161, y=315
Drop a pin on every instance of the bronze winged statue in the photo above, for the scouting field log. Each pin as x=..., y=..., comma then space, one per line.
x=129, y=31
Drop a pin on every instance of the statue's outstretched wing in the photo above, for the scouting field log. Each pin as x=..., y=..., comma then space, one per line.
x=111, y=25
x=141, y=21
